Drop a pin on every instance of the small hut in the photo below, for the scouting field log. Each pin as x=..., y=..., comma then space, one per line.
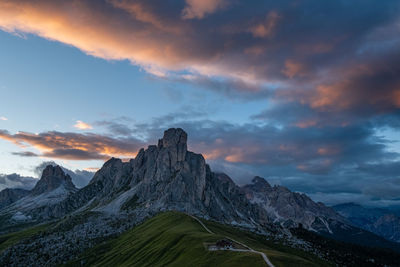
x=224, y=244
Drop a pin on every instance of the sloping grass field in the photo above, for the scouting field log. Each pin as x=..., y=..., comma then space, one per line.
x=176, y=239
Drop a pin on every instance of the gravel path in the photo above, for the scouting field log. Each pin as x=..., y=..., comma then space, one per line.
x=267, y=261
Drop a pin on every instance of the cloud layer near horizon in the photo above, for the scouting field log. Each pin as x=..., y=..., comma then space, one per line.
x=80, y=178
x=335, y=163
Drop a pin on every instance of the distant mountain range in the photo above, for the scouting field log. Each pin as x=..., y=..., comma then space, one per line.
x=163, y=177
x=380, y=221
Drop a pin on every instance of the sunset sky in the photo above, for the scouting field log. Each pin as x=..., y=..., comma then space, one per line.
x=305, y=93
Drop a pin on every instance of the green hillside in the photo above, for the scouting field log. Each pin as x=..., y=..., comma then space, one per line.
x=176, y=239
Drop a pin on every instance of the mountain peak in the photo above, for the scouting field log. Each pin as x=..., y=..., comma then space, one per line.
x=259, y=184
x=257, y=180
x=175, y=140
x=52, y=178
x=174, y=137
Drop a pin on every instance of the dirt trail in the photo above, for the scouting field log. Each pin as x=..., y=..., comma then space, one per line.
x=264, y=256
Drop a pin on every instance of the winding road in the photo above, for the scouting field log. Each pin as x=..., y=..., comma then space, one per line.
x=264, y=256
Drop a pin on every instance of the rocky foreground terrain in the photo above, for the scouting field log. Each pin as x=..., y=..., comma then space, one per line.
x=162, y=177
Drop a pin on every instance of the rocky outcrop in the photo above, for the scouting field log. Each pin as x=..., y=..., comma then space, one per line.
x=53, y=187
x=52, y=178
x=290, y=208
x=163, y=177
x=11, y=195
x=169, y=177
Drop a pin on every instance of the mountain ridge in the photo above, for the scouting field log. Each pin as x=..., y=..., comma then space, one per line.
x=168, y=177
x=382, y=222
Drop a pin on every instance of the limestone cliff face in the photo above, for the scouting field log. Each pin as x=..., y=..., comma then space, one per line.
x=167, y=176
x=52, y=178
x=53, y=188
x=290, y=208
x=168, y=173
x=163, y=177
x=11, y=195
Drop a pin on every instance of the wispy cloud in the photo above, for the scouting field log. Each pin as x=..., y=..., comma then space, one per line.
x=198, y=9
x=25, y=154
x=82, y=125
x=2, y=118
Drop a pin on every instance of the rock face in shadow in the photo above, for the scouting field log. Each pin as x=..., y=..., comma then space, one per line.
x=53, y=187
x=52, y=178
x=11, y=195
x=167, y=176
x=290, y=208
x=162, y=177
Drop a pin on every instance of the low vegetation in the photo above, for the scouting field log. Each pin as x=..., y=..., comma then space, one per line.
x=175, y=239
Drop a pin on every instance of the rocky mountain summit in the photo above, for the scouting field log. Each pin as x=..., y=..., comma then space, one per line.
x=54, y=186
x=162, y=177
x=167, y=176
x=52, y=178
x=289, y=208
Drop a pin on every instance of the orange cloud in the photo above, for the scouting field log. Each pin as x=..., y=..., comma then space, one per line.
x=293, y=68
x=328, y=151
x=329, y=96
x=306, y=123
x=78, y=25
x=266, y=28
x=82, y=125
x=234, y=154
x=91, y=169
x=73, y=146
x=141, y=13
x=131, y=31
